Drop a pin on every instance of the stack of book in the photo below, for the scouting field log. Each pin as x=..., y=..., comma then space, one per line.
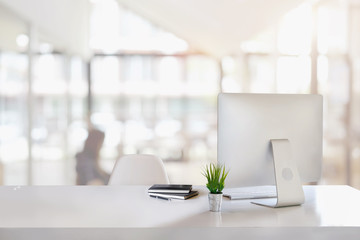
x=172, y=191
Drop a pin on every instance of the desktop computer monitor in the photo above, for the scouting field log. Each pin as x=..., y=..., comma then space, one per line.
x=248, y=122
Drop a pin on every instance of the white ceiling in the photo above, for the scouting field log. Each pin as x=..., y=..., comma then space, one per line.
x=63, y=22
x=10, y=28
x=213, y=26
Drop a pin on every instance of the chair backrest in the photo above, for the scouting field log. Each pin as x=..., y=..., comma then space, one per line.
x=138, y=169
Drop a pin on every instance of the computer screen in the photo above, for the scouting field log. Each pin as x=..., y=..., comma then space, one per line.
x=247, y=123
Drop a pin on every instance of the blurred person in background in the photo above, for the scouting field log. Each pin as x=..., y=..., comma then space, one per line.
x=88, y=169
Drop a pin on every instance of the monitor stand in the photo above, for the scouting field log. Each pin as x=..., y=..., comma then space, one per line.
x=288, y=185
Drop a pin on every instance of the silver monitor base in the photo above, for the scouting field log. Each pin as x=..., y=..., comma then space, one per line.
x=288, y=185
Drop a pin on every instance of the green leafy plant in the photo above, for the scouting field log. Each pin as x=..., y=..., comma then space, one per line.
x=215, y=175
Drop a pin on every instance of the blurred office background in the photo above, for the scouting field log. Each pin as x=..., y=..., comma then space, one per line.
x=147, y=73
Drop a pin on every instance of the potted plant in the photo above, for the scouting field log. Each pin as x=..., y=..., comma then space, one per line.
x=215, y=175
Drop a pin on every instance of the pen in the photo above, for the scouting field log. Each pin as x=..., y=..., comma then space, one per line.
x=163, y=198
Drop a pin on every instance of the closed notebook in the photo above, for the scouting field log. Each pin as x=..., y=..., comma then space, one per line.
x=170, y=188
x=181, y=196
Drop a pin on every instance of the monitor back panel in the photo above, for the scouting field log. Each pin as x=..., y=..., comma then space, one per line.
x=247, y=122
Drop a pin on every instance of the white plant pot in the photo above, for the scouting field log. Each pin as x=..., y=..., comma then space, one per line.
x=215, y=201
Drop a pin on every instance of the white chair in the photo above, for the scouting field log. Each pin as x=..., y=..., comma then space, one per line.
x=138, y=169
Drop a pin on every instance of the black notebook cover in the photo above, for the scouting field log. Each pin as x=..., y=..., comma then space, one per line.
x=170, y=188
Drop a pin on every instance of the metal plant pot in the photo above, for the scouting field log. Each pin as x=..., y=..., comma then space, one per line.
x=215, y=200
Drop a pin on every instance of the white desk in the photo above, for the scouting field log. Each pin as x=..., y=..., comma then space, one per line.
x=107, y=212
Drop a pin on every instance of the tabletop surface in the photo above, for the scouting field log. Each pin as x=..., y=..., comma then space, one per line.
x=130, y=206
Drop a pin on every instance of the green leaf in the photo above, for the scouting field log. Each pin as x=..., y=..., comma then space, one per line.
x=215, y=175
